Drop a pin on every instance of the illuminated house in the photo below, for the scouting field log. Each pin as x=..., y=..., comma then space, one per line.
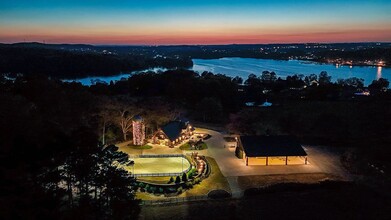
x=138, y=130
x=173, y=133
x=270, y=150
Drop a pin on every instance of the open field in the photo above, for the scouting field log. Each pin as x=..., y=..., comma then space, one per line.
x=246, y=182
x=142, y=147
x=155, y=179
x=159, y=165
x=345, y=202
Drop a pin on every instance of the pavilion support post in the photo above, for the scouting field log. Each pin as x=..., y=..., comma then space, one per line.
x=246, y=161
x=267, y=161
x=306, y=159
x=286, y=160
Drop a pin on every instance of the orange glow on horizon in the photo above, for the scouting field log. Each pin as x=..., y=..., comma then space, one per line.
x=185, y=36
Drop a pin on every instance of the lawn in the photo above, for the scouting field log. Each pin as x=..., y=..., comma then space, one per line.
x=159, y=165
x=216, y=180
x=246, y=182
x=345, y=202
x=142, y=147
x=201, y=146
x=155, y=179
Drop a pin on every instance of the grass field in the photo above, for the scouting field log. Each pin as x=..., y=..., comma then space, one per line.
x=246, y=182
x=345, y=202
x=159, y=165
x=187, y=146
x=216, y=180
x=142, y=147
x=155, y=179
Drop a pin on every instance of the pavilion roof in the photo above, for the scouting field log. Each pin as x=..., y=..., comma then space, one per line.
x=278, y=145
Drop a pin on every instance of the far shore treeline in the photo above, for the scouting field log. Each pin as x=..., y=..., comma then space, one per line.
x=80, y=60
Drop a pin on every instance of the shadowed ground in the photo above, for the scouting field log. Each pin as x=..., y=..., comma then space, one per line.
x=345, y=202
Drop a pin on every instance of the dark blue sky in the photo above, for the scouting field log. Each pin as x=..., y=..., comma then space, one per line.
x=194, y=22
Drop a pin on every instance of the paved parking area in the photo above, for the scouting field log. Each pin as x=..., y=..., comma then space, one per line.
x=319, y=160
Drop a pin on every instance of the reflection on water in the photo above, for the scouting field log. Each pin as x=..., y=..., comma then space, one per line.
x=244, y=66
x=378, y=74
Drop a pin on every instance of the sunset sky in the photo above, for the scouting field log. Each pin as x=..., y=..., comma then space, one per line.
x=153, y=22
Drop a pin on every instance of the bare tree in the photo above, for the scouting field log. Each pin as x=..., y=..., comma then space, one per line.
x=106, y=116
x=125, y=121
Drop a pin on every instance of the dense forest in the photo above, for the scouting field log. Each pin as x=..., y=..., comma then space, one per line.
x=66, y=63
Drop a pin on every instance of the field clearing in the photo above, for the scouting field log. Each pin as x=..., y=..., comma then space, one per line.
x=246, y=182
x=159, y=165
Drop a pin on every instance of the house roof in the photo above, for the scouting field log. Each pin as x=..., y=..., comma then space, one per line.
x=137, y=118
x=173, y=129
x=280, y=145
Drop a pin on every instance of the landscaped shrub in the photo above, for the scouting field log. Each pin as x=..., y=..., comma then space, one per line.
x=161, y=190
x=171, y=190
x=141, y=184
x=171, y=180
x=152, y=189
x=191, y=173
x=189, y=185
x=201, y=146
x=179, y=190
x=147, y=188
x=218, y=194
x=196, y=180
x=178, y=180
x=184, y=177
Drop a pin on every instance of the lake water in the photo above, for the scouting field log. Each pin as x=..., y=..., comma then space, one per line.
x=90, y=80
x=244, y=66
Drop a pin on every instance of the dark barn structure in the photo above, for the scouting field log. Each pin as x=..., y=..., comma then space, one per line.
x=271, y=150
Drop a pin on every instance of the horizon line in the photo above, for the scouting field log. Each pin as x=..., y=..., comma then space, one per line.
x=148, y=45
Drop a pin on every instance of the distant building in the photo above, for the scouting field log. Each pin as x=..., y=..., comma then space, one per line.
x=138, y=130
x=266, y=104
x=173, y=133
x=250, y=104
x=270, y=150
